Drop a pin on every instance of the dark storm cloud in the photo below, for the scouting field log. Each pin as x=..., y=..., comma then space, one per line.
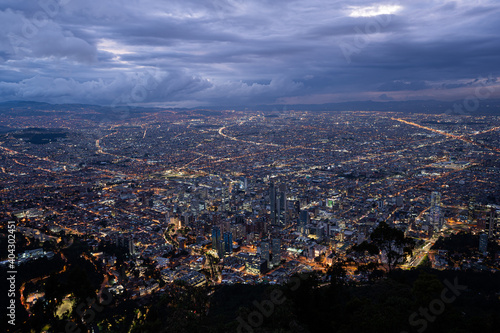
x=401, y=85
x=189, y=52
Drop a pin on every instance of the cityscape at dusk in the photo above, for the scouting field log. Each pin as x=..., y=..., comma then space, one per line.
x=250, y=166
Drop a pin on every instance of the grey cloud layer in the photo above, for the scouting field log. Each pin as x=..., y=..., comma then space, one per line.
x=226, y=52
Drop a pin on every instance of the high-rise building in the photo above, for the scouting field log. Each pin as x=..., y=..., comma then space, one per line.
x=238, y=230
x=493, y=222
x=131, y=245
x=220, y=248
x=277, y=200
x=303, y=217
x=276, y=250
x=435, y=199
x=471, y=210
x=272, y=200
x=215, y=237
x=281, y=199
x=228, y=242
x=296, y=206
x=436, y=218
x=483, y=243
x=265, y=252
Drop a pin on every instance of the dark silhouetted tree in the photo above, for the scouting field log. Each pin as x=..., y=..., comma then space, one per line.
x=392, y=243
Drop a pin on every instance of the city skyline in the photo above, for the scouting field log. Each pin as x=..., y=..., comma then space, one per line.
x=177, y=205
x=250, y=166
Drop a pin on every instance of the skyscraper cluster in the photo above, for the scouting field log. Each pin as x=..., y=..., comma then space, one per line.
x=222, y=243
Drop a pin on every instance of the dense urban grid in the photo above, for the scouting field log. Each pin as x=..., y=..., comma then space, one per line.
x=162, y=198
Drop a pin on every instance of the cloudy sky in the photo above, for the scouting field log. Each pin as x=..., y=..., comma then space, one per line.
x=247, y=52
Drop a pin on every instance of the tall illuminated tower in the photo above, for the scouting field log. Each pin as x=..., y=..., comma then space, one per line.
x=435, y=212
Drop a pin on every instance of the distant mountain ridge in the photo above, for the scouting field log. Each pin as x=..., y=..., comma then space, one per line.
x=485, y=107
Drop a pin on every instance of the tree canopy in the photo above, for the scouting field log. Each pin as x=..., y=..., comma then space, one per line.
x=387, y=242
